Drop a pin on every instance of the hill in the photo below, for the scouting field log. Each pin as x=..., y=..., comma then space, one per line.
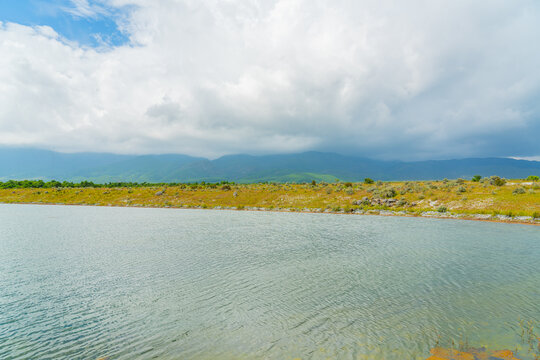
x=102, y=167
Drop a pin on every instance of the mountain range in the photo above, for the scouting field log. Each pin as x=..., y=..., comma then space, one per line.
x=23, y=163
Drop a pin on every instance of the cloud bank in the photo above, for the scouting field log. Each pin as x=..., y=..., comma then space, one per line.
x=392, y=79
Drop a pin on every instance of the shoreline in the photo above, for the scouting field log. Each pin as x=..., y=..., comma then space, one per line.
x=425, y=214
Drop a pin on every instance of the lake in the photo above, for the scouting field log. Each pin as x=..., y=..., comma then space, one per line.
x=89, y=282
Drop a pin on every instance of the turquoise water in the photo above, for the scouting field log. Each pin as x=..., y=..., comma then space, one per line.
x=87, y=282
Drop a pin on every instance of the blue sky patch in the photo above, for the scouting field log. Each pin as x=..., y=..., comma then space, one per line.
x=91, y=25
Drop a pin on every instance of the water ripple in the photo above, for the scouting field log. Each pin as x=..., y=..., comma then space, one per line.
x=83, y=282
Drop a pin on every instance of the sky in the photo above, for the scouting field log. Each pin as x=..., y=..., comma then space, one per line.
x=405, y=80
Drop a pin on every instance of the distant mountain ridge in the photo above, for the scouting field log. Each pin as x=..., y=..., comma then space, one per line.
x=18, y=164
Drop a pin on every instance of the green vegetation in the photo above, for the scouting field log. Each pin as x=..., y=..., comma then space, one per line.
x=497, y=181
x=40, y=184
x=476, y=178
x=516, y=198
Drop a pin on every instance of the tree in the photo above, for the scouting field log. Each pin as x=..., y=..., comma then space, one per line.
x=476, y=178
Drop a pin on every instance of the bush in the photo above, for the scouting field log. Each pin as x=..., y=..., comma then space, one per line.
x=461, y=189
x=389, y=193
x=460, y=181
x=533, y=178
x=476, y=178
x=442, y=209
x=349, y=191
x=497, y=181
x=348, y=184
x=368, y=181
x=402, y=202
x=518, y=191
x=226, y=187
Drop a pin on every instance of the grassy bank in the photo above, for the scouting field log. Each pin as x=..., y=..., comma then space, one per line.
x=513, y=199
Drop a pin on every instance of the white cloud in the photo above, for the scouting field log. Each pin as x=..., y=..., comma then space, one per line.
x=85, y=9
x=206, y=77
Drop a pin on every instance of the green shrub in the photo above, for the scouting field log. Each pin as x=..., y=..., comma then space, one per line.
x=533, y=178
x=368, y=181
x=476, y=178
x=389, y=193
x=518, y=191
x=442, y=209
x=402, y=202
x=497, y=181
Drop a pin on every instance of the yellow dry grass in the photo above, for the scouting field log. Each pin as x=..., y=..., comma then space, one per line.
x=417, y=196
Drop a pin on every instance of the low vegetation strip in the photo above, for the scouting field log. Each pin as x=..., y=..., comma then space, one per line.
x=491, y=198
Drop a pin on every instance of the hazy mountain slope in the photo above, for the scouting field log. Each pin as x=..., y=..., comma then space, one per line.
x=43, y=164
x=37, y=164
x=465, y=168
x=102, y=167
x=256, y=168
x=247, y=168
x=149, y=168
